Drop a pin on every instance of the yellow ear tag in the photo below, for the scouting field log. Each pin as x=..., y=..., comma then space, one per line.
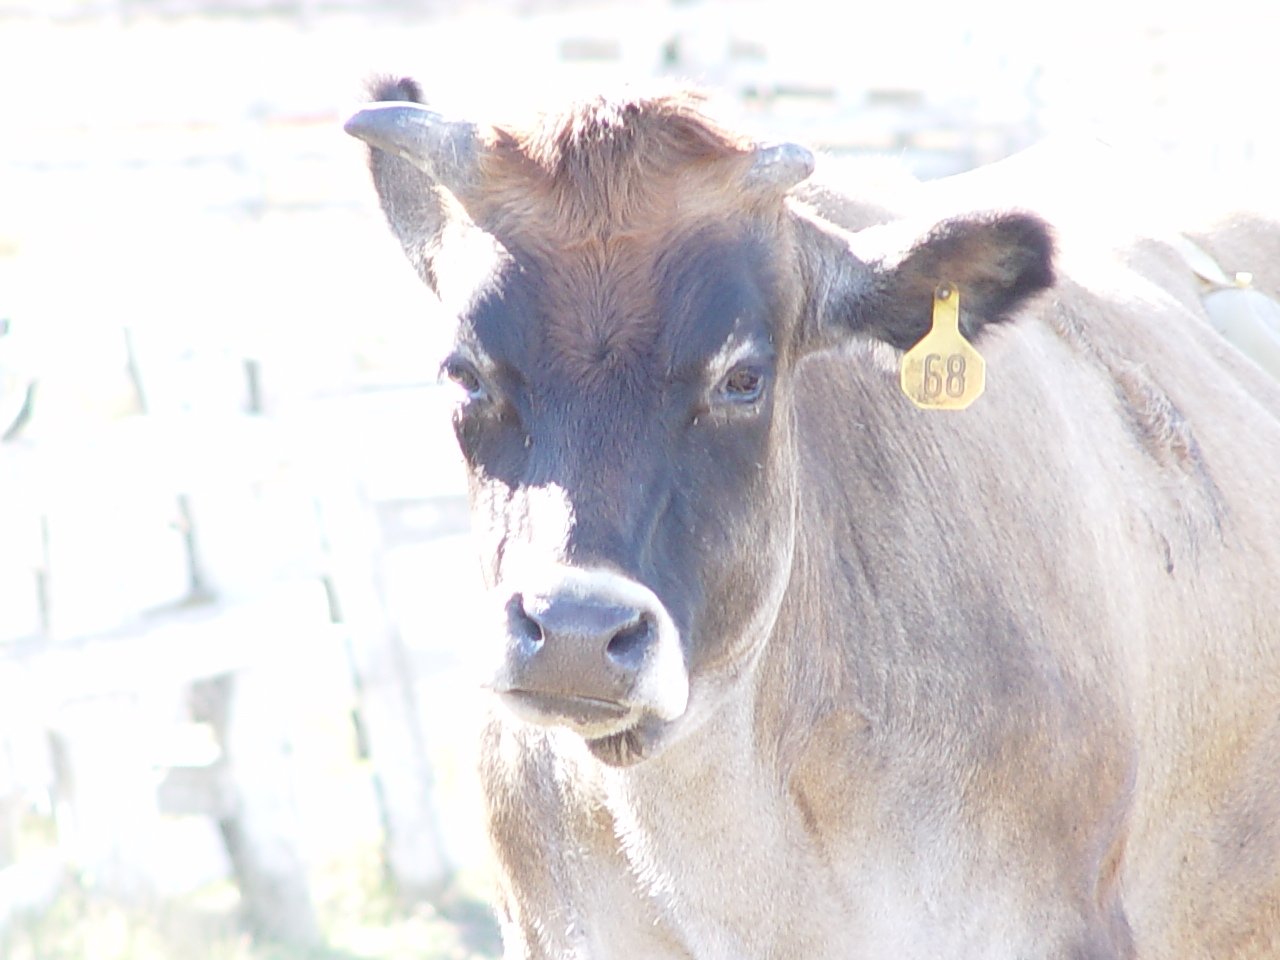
x=943, y=371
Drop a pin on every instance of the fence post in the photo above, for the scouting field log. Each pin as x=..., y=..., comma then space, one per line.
x=390, y=723
x=108, y=793
x=246, y=710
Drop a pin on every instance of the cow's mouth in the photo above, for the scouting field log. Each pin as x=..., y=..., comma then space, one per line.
x=615, y=733
x=587, y=715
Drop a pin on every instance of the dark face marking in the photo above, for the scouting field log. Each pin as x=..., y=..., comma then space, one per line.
x=691, y=338
x=711, y=297
x=644, y=393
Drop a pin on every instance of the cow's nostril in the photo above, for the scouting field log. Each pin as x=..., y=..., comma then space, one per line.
x=629, y=646
x=592, y=650
x=581, y=639
x=523, y=626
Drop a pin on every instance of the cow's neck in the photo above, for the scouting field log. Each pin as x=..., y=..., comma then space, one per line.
x=718, y=793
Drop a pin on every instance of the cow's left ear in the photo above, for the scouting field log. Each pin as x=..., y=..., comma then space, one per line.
x=996, y=261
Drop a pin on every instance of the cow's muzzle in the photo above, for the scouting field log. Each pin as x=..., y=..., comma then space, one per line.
x=590, y=650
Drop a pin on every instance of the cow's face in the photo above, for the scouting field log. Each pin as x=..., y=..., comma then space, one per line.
x=623, y=413
x=624, y=375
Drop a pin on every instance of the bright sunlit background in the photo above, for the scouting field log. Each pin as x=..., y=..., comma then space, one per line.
x=234, y=571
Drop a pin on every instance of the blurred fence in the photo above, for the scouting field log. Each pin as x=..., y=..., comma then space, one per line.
x=231, y=521
x=191, y=603
x=233, y=581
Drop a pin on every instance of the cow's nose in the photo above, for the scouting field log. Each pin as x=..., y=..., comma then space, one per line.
x=584, y=634
x=592, y=650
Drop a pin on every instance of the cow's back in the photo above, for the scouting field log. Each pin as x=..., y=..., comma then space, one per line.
x=1203, y=865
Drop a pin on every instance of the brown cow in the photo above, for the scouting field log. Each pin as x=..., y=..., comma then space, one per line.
x=786, y=667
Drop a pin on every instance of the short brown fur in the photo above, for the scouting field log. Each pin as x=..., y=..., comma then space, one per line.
x=992, y=685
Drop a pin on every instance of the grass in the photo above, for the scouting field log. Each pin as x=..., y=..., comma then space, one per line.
x=360, y=916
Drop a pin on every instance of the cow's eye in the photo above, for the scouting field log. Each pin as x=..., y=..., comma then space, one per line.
x=464, y=375
x=742, y=385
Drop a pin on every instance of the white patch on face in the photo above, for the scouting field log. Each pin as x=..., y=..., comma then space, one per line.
x=531, y=525
x=536, y=522
x=547, y=518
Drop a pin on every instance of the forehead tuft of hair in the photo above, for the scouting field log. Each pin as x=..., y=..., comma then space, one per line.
x=660, y=130
x=609, y=158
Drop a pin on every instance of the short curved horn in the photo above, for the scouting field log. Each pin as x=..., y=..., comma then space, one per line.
x=447, y=151
x=780, y=166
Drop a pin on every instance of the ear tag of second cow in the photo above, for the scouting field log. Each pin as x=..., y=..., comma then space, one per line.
x=943, y=371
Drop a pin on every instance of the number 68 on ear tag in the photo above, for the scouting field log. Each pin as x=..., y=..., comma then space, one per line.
x=943, y=371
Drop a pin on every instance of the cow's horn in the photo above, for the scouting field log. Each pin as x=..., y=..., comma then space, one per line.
x=447, y=151
x=780, y=166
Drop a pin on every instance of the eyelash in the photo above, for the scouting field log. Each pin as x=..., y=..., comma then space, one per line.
x=743, y=385
x=464, y=375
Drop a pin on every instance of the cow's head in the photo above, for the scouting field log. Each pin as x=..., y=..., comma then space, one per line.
x=633, y=293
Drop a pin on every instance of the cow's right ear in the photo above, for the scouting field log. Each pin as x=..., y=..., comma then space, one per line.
x=422, y=167
x=881, y=288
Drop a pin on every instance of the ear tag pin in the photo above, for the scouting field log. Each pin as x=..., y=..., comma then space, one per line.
x=943, y=371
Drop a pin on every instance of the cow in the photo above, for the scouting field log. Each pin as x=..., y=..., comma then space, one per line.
x=784, y=665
